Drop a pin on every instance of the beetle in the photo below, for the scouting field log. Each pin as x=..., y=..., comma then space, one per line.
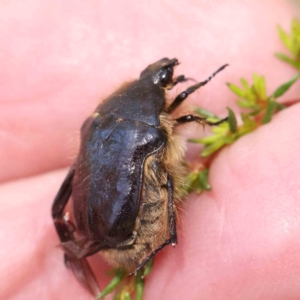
x=128, y=176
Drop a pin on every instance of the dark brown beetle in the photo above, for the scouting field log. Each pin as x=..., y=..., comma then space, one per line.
x=127, y=176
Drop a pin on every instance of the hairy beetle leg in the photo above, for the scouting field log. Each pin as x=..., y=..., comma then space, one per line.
x=171, y=211
x=167, y=242
x=73, y=246
x=172, y=226
x=183, y=95
x=191, y=118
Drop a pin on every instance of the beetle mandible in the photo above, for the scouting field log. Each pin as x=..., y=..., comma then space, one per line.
x=128, y=176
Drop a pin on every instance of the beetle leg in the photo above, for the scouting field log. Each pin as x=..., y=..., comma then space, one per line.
x=178, y=79
x=153, y=253
x=73, y=247
x=171, y=211
x=64, y=232
x=83, y=273
x=183, y=95
x=203, y=121
x=172, y=224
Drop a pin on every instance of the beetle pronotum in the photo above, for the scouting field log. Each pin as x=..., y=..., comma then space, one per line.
x=128, y=176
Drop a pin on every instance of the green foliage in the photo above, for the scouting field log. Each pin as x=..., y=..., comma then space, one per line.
x=259, y=110
x=198, y=181
x=232, y=122
x=139, y=284
x=148, y=268
x=292, y=43
x=119, y=275
x=125, y=286
x=284, y=87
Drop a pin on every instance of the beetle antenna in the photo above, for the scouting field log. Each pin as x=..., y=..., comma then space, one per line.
x=213, y=75
x=183, y=95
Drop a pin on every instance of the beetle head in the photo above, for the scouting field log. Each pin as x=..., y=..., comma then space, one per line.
x=161, y=72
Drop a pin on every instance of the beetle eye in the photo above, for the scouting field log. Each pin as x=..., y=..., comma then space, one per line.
x=166, y=76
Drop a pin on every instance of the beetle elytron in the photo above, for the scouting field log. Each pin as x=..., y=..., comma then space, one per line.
x=127, y=177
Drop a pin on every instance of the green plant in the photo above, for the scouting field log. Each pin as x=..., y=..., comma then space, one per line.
x=292, y=43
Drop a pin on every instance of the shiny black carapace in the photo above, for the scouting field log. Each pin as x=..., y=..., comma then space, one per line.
x=128, y=176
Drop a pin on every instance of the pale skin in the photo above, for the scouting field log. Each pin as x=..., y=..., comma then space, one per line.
x=240, y=241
